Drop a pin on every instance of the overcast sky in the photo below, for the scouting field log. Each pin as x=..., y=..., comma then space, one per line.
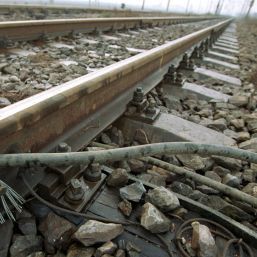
x=232, y=7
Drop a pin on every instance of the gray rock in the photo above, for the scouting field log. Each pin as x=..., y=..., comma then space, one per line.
x=212, y=175
x=181, y=212
x=231, y=133
x=106, y=139
x=208, y=163
x=252, y=125
x=153, y=179
x=2, y=65
x=249, y=144
x=76, y=250
x=172, y=159
x=10, y=69
x=141, y=137
x=25, y=245
x=231, y=180
x=120, y=253
x=107, y=248
x=196, y=195
x=161, y=172
x=228, y=163
x=132, y=250
x=28, y=226
x=181, y=188
x=124, y=165
x=14, y=79
x=217, y=203
x=220, y=114
x=163, y=199
x=119, y=177
x=221, y=171
x=238, y=100
x=173, y=103
x=221, y=109
x=242, y=136
x=219, y=124
x=125, y=207
x=6, y=232
x=97, y=232
x=117, y=136
x=56, y=230
x=238, y=123
x=251, y=189
x=249, y=175
x=191, y=161
x=153, y=220
x=133, y=192
x=207, y=190
x=136, y=166
x=203, y=241
x=4, y=102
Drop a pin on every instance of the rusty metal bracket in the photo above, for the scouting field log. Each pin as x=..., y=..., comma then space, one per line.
x=75, y=193
x=141, y=109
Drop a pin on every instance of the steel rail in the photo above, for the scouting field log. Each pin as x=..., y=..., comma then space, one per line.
x=31, y=30
x=66, y=110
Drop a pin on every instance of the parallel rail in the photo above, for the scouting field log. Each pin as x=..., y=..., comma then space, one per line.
x=74, y=108
x=31, y=30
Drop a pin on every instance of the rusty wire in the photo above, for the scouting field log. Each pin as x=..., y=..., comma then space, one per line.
x=226, y=234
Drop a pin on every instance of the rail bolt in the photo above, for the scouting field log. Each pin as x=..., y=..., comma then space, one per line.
x=151, y=107
x=63, y=148
x=138, y=96
x=75, y=192
x=171, y=69
x=93, y=173
x=179, y=79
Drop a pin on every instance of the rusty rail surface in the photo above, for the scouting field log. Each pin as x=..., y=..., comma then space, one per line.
x=40, y=120
x=31, y=30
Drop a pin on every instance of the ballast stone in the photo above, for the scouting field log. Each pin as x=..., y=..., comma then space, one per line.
x=76, y=250
x=133, y=192
x=106, y=248
x=97, y=232
x=153, y=220
x=119, y=177
x=163, y=199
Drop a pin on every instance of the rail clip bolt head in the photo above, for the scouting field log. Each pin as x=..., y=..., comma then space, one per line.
x=76, y=187
x=93, y=172
x=138, y=95
x=63, y=148
x=75, y=192
x=151, y=108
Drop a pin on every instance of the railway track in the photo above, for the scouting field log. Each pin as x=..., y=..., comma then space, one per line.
x=185, y=90
x=31, y=67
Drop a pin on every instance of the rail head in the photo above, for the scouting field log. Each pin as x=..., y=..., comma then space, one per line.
x=36, y=29
x=17, y=24
x=108, y=82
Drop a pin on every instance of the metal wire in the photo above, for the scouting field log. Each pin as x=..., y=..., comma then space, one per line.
x=9, y=196
x=53, y=206
x=226, y=234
